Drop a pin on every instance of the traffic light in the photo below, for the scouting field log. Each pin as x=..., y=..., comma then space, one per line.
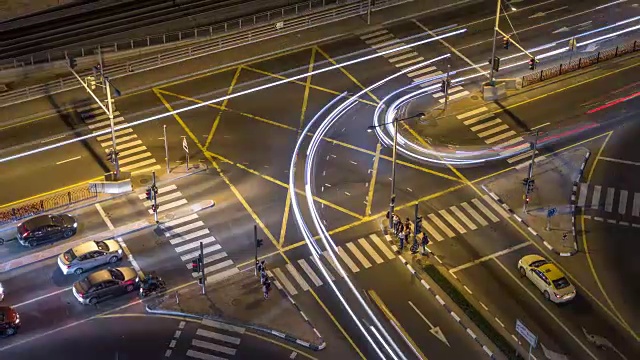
x=258, y=243
x=532, y=63
x=505, y=42
x=148, y=193
x=72, y=62
x=91, y=82
x=154, y=208
x=443, y=86
x=530, y=185
x=525, y=182
x=111, y=156
x=495, y=63
x=418, y=227
x=195, y=265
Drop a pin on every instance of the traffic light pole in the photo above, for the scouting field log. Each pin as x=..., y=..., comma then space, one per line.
x=154, y=190
x=201, y=257
x=255, y=242
x=492, y=80
x=116, y=162
x=392, y=201
x=446, y=87
x=415, y=222
x=166, y=147
x=531, y=165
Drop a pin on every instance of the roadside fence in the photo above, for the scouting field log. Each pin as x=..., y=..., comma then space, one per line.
x=579, y=63
x=48, y=203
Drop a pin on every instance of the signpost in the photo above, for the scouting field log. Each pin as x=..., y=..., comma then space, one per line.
x=185, y=146
x=531, y=338
x=550, y=213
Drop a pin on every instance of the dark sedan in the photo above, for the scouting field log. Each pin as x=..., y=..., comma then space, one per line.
x=104, y=284
x=46, y=228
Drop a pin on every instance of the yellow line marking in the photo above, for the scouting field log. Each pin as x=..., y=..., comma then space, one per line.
x=222, y=108
x=344, y=71
x=280, y=344
x=316, y=87
x=336, y=142
x=50, y=192
x=586, y=247
x=285, y=218
x=564, y=88
x=372, y=182
x=374, y=296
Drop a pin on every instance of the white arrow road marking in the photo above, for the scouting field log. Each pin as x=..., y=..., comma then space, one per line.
x=551, y=355
x=435, y=330
x=564, y=28
x=546, y=12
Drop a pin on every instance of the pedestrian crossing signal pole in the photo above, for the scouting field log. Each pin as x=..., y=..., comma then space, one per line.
x=529, y=180
x=258, y=243
x=185, y=146
x=492, y=80
x=447, y=85
x=201, y=261
x=154, y=192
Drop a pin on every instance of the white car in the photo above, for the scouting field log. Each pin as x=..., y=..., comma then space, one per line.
x=547, y=278
x=89, y=255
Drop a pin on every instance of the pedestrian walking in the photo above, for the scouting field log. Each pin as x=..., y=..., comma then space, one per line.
x=407, y=224
x=401, y=237
x=266, y=287
x=424, y=243
x=396, y=223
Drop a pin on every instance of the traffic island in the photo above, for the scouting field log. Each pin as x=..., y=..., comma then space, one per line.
x=550, y=211
x=239, y=300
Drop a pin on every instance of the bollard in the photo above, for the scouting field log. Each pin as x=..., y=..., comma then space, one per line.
x=177, y=298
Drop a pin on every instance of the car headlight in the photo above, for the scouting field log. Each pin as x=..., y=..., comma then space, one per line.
x=119, y=251
x=75, y=224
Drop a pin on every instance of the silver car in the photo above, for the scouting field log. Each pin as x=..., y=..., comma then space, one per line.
x=89, y=255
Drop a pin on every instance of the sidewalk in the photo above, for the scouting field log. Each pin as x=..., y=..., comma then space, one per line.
x=556, y=177
x=239, y=300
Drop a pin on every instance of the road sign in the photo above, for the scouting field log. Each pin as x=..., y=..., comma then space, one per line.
x=531, y=338
x=185, y=146
x=551, y=212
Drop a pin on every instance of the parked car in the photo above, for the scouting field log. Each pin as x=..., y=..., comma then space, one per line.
x=547, y=278
x=89, y=255
x=104, y=284
x=46, y=228
x=9, y=321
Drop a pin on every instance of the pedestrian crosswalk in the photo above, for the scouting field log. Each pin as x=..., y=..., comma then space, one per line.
x=501, y=136
x=215, y=340
x=382, y=40
x=609, y=199
x=132, y=155
x=373, y=249
x=186, y=233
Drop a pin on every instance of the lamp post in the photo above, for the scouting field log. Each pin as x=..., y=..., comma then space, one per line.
x=493, y=49
x=392, y=201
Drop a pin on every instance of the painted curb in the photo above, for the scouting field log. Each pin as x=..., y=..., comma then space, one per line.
x=279, y=334
x=574, y=200
x=438, y=298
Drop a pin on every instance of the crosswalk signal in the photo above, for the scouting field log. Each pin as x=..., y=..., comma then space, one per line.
x=258, y=243
x=530, y=185
x=91, y=82
x=148, y=193
x=443, y=86
x=495, y=63
x=111, y=156
x=418, y=226
x=72, y=62
x=154, y=208
x=532, y=63
x=195, y=265
x=505, y=42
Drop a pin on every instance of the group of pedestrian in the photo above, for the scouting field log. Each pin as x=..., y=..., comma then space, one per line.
x=264, y=278
x=403, y=231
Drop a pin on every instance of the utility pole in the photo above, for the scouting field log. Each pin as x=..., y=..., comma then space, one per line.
x=392, y=201
x=446, y=87
x=116, y=162
x=369, y=13
x=529, y=180
x=101, y=65
x=492, y=80
x=258, y=243
x=154, y=191
x=201, y=258
x=417, y=224
x=166, y=147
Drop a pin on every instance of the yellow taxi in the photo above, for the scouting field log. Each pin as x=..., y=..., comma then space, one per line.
x=547, y=278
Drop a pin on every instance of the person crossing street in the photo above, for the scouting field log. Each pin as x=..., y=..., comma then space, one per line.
x=424, y=242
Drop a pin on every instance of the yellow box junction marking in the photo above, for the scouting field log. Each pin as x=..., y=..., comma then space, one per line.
x=222, y=108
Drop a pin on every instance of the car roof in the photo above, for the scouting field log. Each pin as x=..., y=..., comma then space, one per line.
x=38, y=221
x=551, y=271
x=85, y=248
x=99, y=276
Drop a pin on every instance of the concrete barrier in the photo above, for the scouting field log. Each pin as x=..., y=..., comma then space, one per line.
x=511, y=84
x=496, y=92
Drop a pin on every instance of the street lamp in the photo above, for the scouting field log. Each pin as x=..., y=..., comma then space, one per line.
x=392, y=201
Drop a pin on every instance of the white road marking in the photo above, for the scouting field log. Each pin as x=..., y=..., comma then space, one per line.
x=297, y=277
x=217, y=336
x=119, y=140
x=463, y=217
x=120, y=241
x=202, y=356
x=194, y=254
x=194, y=244
x=402, y=57
x=378, y=39
x=595, y=198
x=164, y=198
x=608, y=202
x=137, y=165
x=66, y=161
x=636, y=205
x=118, y=133
x=131, y=151
x=374, y=255
x=424, y=77
x=493, y=131
x=496, y=207
x=452, y=221
x=472, y=112
x=42, y=297
x=421, y=71
x=52, y=138
x=312, y=275
x=455, y=96
x=500, y=137
x=125, y=160
x=363, y=260
x=484, y=209
x=182, y=229
x=373, y=34
x=385, y=250
x=222, y=275
x=405, y=63
x=441, y=225
x=432, y=231
x=489, y=257
x=347, y=260
x=474, y=214
x=215, y=267
x=582, y=198
x=619, y=161
x=330, y=260
x=223, y=326
x=485, y=124
x=622, y=205
x=178, y=221
x=214, y=347
x=285, y=282
x=170, y=205
x=189, y=236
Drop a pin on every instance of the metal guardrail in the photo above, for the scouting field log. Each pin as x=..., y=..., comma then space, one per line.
x=211, y=45
x=48, y=203
x=579, y=63
x=199, y=33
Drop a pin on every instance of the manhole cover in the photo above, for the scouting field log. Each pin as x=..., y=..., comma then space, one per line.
x=475, y=97
x=144, y=181
x=235, y=302
x=170, y=216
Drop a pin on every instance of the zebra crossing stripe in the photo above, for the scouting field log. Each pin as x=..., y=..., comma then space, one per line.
x=434, y=234
x=582, y=198
x=170, y=205
x=192, y=255
x=214, y=347
x=421, y=71
x=133, y=158
x=222, y=326
x=636, y=205
x=202, y=356
x=215, y=267
x=463, y=217
x=513, y=141
x=595, y=198
x=194, y=244
x=622, y=205
x=363, y=260
x=478, y=118
x=385, y=250
x=472, y=112
x=330, y=260
x=164, y=198
x=107, y=123
x=307, y=269
x=500, y=137
x=405, y=63
x=373, y=34
x=493, y=131
x=456, y=95
x=296, y=276
x=424, y=77
x=217, y=336
x=520, y=157
x=318, y=262
x=118, y=133
x=608, y=201
x=374, y=255
x=137, y=165
x=222, y=275
x=496, y=206
x=402, y=57
x=132, y=151
x=484, y=209
x=474, y=214
x=485, y=124
x=215, y=257
x=441, y=225
x=456, y=225
x=189, y=236
x=119, y=140
x=378, y=39
x=178, y=221
x=347, y=260
x=182, y=229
